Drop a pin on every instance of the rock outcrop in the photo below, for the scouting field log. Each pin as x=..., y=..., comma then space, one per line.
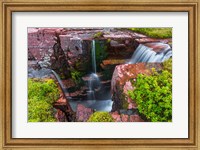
x=121, y=83
x=125, y=117
x=66, y=49
x=83, y=113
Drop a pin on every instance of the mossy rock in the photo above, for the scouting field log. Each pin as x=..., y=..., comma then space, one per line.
x=100, y=117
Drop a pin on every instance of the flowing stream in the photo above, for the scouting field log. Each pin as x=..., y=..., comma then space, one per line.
x=146, y=54
x=63, y=88
x=94, y=86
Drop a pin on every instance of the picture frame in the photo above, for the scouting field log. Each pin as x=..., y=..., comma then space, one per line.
x=8, y=6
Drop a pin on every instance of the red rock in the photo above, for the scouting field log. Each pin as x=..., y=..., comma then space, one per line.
x=116, y=116
x=157, y=47
x=136, y=118
x=124, y=118
x=120, y=83
x=40, y=43
x=151, y=40
x=83, y=113
x=60, y=116
x=64, y=41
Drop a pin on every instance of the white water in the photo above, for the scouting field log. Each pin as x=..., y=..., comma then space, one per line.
x=60, y=82
x=94, y=81
x=94, y=67
x=146, y=54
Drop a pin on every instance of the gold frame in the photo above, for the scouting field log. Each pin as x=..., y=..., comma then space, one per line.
x=9, y=6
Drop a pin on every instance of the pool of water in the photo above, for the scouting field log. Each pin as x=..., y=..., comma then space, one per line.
x=97, y=105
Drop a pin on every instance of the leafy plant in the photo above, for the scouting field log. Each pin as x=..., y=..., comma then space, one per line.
x=76, y=76
x=153, y=95
x=100, y=117
x=155, y=32
x=41, y=96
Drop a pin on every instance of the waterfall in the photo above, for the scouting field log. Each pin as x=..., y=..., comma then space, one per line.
x=63, y=88
x=94, y=67
x=68, y=110
x=93, y=81
x=146, y=54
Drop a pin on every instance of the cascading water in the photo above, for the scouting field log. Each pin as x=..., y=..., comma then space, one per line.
x=63, y=88
x=94, y=67
x=94, y=90
x=146, y=54
x=68, y=110
x=93, y=82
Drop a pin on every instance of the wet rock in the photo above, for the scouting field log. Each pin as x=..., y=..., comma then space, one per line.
x=158, y=47
x=34, y=65
x=58, y=61
x=60, y=116
x=152, y=40
x=130, y=112
x=39, y=73
x=83, y=113
x=62, y=104
x=123, y=111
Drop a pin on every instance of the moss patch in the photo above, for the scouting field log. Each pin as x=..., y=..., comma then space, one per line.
x=100, y=117
x=154, y=32
x=41, y=96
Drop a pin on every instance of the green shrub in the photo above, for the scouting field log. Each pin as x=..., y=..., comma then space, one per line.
x=100, y=117
x=154, y=32
x=153, y=95
x=41, y=96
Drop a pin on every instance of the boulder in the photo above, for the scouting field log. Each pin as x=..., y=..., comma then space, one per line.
x=121, y=83
x=44, y=47
x=40, y=42
x=83, y=113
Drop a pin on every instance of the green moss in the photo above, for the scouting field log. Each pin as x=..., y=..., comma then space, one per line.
x=41, y=96
x=153, y=95
x=167, y=65
x=76, y=76
x=154, y=32
x=98, y=35
x=100, y=117
x=108, y=41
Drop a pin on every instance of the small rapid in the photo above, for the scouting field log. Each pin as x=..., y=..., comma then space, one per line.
x=147, y=54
